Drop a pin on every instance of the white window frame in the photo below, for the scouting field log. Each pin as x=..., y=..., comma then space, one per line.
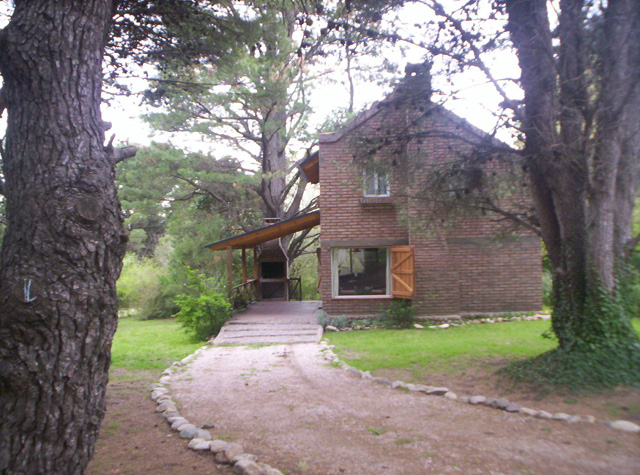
x=335, y=275
x=375, y=175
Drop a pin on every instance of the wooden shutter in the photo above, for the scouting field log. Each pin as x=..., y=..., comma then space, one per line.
x=402, y=272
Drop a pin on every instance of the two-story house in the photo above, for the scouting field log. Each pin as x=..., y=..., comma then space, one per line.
x=384, y=235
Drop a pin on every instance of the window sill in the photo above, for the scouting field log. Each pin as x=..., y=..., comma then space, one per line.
x=377, y=200
x=360, y=297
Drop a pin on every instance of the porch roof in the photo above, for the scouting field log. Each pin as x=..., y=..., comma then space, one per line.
x=268, y=233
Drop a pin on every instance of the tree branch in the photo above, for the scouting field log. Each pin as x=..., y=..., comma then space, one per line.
x=119, y=154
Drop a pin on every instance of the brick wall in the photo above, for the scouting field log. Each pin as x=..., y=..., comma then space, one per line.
x=460, y=267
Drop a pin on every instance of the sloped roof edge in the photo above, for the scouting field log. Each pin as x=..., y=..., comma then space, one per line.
x=268, y=233
x=354, y=123
x=361, y=118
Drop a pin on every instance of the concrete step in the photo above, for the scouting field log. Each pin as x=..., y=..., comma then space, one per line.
x=252, y=334
x=272, y=322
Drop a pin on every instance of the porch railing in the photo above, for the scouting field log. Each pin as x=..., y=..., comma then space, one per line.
x=244, y=294
x=295, y=288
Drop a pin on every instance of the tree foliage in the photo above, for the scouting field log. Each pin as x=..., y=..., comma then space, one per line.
x=162, y=180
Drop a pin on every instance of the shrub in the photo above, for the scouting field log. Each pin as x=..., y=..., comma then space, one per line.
x=322, y=318
x=203, y=310
x=339, y=322
x=399, y=313
x=203, y=315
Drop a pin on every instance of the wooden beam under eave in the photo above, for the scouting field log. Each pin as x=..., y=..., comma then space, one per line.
x=268, y=233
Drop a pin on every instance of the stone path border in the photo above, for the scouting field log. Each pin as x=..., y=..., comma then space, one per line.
x=245, y=463
x=496, y=403
x=200, y=439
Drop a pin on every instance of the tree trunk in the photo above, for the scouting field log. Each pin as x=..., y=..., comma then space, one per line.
x=64, y=243
x=582, y=155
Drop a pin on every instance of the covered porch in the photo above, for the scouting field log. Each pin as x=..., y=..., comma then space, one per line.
x=270, y=279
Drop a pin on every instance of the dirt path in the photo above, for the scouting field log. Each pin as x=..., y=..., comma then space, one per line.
x=297, y=413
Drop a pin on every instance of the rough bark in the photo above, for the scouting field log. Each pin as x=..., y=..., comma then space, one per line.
x=581, y=149
x=62, y=251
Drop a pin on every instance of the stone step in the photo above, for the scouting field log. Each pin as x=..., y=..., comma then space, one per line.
x=271, y=331
x=268, y=335
x=257, y=327
x=272, y=322
x=263, y=340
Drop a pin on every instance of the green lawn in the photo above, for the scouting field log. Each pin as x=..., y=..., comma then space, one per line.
x=448, y=350
x=150, y=344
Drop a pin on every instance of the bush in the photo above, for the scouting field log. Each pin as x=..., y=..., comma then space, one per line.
x=399, y=313
x=339, y=322
x=322, y=318
x=204, y=315
x=203, y=310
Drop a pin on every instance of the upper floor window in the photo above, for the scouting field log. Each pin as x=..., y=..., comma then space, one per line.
x=376, y=183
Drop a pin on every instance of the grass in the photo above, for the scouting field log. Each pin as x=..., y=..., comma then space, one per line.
x=150, y=344
x=447, y=351
x=450, y=351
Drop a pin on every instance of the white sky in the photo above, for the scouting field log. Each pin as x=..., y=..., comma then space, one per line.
x=475, y=100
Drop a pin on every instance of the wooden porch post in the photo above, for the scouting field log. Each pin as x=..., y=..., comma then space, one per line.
x=255, y=262
x=229, y=274
x=244, y=265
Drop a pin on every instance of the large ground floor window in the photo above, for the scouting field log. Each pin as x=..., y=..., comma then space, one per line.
x=360, y=271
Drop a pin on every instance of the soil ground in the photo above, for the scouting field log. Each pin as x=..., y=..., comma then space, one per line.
x=135, y=440
x=303, y=416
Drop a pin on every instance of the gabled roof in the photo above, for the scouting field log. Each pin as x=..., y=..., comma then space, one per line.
x=410, y=92
x=268, y=233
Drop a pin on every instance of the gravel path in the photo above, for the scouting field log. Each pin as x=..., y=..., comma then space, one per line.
x=287, y=405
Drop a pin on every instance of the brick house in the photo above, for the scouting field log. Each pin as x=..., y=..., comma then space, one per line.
x=377, y=238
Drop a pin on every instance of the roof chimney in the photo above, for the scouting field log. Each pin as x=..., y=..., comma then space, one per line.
x=417, y=82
